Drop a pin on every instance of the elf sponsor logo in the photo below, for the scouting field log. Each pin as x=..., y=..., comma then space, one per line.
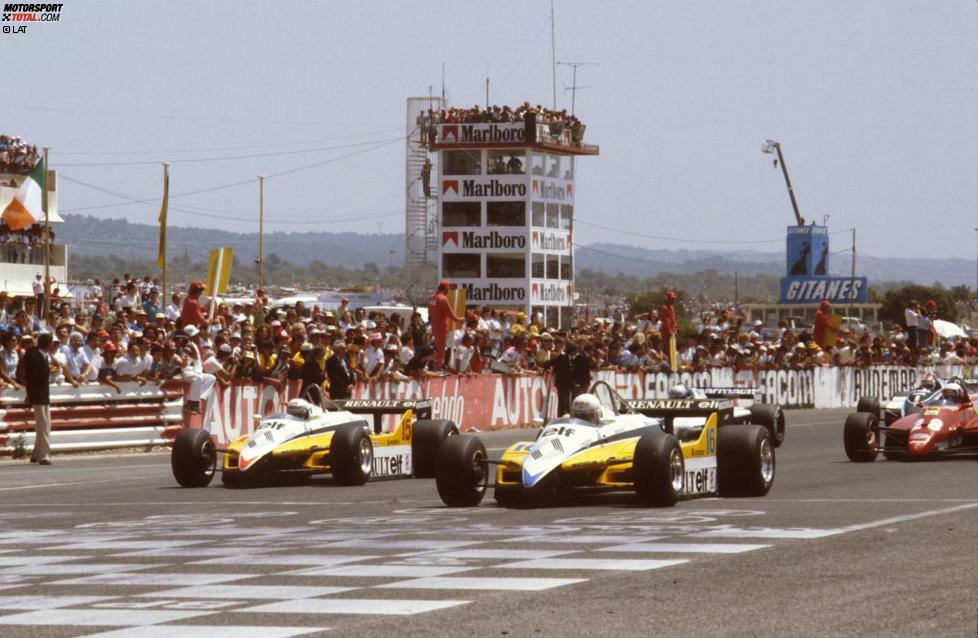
x=397, y=464
x=494, y=188
x=701, y=481
x=550, y=241
x=552, y=190
x=680, y=404
x=495, y=292
x=483, y=133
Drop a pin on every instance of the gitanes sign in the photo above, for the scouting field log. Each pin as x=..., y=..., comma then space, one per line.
x=812, y=290
x=482, y=134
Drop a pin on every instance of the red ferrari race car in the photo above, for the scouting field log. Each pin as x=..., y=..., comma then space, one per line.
x=946, y=425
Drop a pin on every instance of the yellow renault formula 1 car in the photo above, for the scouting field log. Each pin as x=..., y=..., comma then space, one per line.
x=318, y=437
x=663, y=450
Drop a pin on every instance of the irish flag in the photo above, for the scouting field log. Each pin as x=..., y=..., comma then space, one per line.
x=25, y=208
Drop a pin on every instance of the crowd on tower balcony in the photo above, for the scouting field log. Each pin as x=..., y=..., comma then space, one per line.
x=16, y=156
x=23, y=246
x=557, y=119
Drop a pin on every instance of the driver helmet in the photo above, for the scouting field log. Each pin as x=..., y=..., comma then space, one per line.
x=299, y=407
x=928, y=381
x=587, y=408
x=679, y=391
x=954, y=392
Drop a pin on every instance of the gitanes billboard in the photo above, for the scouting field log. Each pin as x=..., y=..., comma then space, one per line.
x=807, y=251
x=812, y=290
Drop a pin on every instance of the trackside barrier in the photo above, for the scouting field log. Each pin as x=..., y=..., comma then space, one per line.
x=92, y=417
x=95, y=417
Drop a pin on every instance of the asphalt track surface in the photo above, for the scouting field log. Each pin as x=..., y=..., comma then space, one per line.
x=110, y=546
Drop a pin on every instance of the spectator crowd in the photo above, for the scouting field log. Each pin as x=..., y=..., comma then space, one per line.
x=23, y=246
x=16, y=156
x=125, y=330
x=559, y=120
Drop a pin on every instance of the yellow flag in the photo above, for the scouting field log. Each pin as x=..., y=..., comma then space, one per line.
x=218, y=271
x=161, y=257
x=457, y=299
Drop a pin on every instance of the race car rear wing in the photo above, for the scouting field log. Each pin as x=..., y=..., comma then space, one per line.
x=381, y=407
x=670, y=409
x=753, y=394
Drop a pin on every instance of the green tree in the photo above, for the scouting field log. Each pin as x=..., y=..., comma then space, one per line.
x=895, y=302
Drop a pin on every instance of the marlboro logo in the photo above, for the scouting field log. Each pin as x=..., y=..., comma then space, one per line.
x=449, y=185
x=449, y=235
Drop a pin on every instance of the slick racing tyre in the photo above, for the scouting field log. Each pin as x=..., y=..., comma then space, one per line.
x=461, y=471
x=772, y=418
x=351, y=455
x=869, y=405
x=658, y=469
x=426, y=437
x=745, y=461
x=508, y=496
x=193, y=458
x=861, y=437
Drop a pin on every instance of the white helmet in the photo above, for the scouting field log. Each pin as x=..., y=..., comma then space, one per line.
x=679, y=391
x=299, y=407
x=954, y=392
x=587, y=407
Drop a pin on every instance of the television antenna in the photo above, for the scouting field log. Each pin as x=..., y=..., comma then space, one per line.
x=574, y=87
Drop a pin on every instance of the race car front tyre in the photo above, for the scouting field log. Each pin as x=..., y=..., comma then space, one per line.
x=426, y=438
x=193, y=458
x=745, y=461
x=870, y=405
x=461, y=471
x=658, y=469
x=351, y=455
x=508, y=496
x=772, y=418
x=861, y=437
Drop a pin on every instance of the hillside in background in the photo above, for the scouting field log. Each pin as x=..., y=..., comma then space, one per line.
x=125, y=241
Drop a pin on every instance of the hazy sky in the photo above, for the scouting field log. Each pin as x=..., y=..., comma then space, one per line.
x=874, y=103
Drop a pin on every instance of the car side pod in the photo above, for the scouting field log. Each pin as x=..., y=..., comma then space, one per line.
x=861, y=436
x=462, y=471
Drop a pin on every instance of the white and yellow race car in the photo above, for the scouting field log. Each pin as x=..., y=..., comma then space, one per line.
x=318, y=437
x=663, y=450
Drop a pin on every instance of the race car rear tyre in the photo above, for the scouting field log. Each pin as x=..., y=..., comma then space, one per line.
x=193, y=458
x=351, y=455
x=461, y=471
x=870, y=405
x=745, y=461
x=426, y=438
x=861, y=437
x=659, y=469
x=772, y=418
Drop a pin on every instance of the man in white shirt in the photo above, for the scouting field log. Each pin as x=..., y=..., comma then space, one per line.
x=77, y=364
x=172, y=311
x=373, y=356
x=134, y=365
x=910, y=317
x=462, y=354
